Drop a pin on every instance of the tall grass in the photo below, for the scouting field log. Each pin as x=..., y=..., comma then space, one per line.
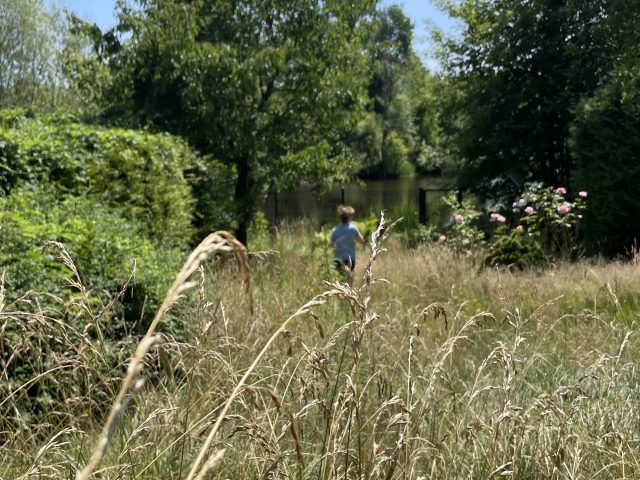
x=429, y=366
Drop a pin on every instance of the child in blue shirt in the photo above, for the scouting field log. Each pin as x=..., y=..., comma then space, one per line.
x=343, y=239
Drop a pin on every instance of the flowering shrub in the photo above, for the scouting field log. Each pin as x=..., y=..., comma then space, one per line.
x=546, y=226
x=496, y=217
x=542, y=224
x=463, y=234
x=546, y=213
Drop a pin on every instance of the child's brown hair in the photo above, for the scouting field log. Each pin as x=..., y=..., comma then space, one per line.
x=346, y=212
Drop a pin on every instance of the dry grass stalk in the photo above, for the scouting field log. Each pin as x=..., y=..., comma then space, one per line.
x=211, y=463
x=306, y=308
x=222, y=242
x=554, y=420
x=37, y=468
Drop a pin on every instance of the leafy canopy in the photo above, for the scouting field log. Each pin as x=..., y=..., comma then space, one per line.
x=606, y=144
x=140, y=175
x=520, y=68
x=268, y=87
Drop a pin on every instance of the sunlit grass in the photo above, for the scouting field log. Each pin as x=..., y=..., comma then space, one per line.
x=430, y=367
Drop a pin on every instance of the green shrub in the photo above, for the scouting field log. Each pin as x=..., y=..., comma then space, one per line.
x=549, y=215
x=102, y=243
x=368, y=225
x=515, y=248
x=212, y=184
x=547, y=227
x=606, y=145
x=139, y=174
x=463, y=233
x=395, y=161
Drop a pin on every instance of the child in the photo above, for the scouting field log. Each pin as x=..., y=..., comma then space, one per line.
x=343, y=239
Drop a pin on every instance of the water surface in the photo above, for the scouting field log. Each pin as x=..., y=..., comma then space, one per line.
x=370, y=197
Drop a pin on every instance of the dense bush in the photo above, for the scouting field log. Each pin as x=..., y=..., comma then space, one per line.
x=103, y=244
x=212, y=183
x=514, y=248
x=606, y=145
x=121, y=204
x=395, y=154
x=139, y=174
x=542, y=224
x=547, y=214
x=107, y=289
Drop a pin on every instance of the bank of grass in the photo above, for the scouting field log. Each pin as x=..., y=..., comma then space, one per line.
x=429, y=367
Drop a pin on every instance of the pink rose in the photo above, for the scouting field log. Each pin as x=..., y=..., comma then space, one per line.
x=459, y=218
x=529, y=211
x=496, y=217
x=564, y=208
x=561, y=190
x=520, y=228
x=582, y=194
x=442, y=238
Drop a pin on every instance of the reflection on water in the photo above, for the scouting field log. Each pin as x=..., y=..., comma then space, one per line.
x=370, y=197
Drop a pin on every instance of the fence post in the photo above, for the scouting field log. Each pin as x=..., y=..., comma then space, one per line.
x=422, y=206
x=275, y=206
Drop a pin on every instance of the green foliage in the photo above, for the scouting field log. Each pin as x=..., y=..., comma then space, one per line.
x=400, y=92
x=514, y=248
x=31, y=33
x=547, y=227
x=268, y=87
x=412, y=231
x=368, y=143
x=63, y=312
x=547, y=214
x=139, y=174
x=606, y=144
x=422, y=234
x=104, y=245
x=212, y=184
x=394, y=157
x=519, y=70
x=463, y=234
x=259, y=232
x=368, y=225
x=400, y=118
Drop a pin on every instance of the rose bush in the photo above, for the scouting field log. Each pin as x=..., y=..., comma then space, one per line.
x=547, y=227
x=542, y=224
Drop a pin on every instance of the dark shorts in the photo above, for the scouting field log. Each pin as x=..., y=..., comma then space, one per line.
x=340, y=265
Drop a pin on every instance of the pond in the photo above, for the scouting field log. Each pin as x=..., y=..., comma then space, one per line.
x=398, y=197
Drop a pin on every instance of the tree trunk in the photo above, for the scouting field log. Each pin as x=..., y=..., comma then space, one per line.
x=242, y=199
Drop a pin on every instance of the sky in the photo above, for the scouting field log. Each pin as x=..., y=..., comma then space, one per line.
x=425, y=16
x=423, y=13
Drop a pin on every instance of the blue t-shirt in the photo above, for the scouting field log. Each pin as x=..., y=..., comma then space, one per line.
x=344, y=238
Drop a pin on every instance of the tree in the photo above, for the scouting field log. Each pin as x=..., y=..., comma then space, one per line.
x=521, y=67
x=389, y=47
x=398, y=91
x=31, y=45
x=605, y=140
x=269, y=87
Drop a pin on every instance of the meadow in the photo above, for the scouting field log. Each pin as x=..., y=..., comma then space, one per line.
x=266, y=365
